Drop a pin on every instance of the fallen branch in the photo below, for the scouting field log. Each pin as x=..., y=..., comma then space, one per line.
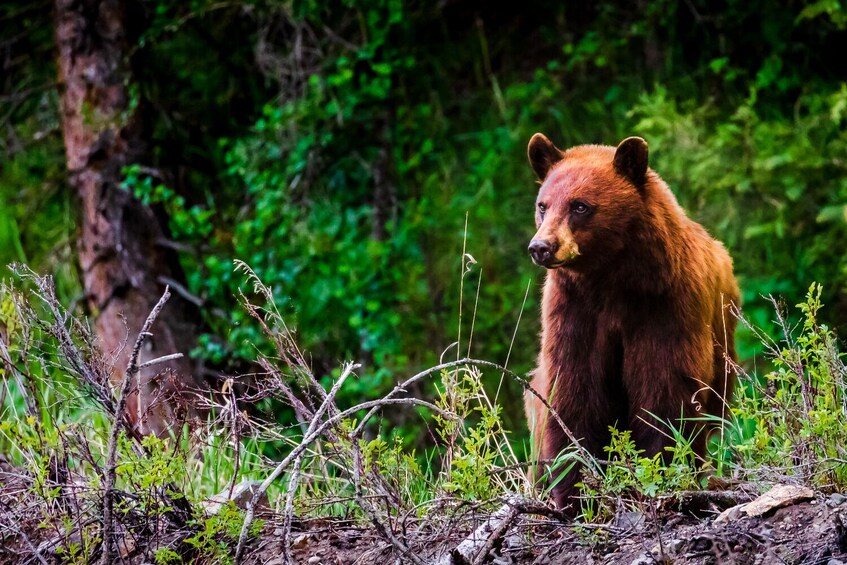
x=495, y=536
x=700, y=502
x=474, y=549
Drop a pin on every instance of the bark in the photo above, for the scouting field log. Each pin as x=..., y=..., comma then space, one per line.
x=384, y=189
x=121, y=261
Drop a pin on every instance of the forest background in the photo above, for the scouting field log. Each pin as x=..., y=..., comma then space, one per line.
x=367, y=160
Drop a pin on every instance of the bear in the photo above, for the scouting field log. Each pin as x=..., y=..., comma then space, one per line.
x=636, y=327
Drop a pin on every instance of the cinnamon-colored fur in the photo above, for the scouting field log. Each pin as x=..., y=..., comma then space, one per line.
x=635, y=320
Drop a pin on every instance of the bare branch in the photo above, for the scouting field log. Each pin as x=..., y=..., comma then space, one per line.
x=162, y=359
x=109, y=479
x=311, y=434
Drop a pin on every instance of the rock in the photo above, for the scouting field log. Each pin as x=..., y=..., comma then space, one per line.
x=836, y=498
x=675, y=546
x=729, y=515
x=644, y=559
x=778, y=497
x=242, y=493
x=629, y=520
x=126, y=543
x=835, y=562
x=314, y=560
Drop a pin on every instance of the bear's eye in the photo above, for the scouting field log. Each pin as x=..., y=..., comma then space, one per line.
x=541, y=209
x=580, y=207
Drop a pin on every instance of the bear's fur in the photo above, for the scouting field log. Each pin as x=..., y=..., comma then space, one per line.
x=635, y=323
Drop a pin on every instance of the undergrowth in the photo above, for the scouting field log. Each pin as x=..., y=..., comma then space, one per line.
x=172, y=493
x=791, y=424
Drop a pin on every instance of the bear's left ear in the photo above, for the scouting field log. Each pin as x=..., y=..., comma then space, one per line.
x=542, y=155
x=631, y=160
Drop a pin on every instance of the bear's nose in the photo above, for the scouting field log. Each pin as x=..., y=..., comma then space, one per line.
x=541, y=251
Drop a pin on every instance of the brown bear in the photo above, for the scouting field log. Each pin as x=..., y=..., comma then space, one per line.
x=635, y=328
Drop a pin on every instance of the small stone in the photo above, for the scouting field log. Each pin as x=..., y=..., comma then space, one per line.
x=242, y=493
x=729, y=515
x=835, y=562
x=644, y=559
x=300, y=541
x=314, y=560
x=629, y=520
x=836, y=498
x=675, y=546
x=126, y=546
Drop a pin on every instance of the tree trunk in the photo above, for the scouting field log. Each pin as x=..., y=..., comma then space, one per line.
x=123, y=264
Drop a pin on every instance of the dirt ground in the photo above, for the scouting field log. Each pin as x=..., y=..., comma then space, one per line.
x=810, y=532
x=805, y=533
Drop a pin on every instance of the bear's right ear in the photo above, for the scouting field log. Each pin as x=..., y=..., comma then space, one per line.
x=542, y=155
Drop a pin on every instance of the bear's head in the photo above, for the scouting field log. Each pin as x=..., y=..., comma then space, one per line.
x=588, y=199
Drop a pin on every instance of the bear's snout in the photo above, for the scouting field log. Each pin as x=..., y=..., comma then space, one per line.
x=543, y=252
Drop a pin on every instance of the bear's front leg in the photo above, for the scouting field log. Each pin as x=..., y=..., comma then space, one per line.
x=569, y=471
x=667, y=377
x=588, y=415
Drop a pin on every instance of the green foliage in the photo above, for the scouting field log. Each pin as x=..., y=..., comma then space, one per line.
x=633, y=479
x=792, y=423
x=218, y=534
x=165, y=556
x=338, y=148
x=472, y=461
x=471, y=451
x=56, y=433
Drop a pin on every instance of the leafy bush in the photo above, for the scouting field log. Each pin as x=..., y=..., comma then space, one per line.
x=792, y=423
x=631, y=480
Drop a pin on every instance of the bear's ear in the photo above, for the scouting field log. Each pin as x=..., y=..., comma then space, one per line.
x=542, y=155
x=631, y=160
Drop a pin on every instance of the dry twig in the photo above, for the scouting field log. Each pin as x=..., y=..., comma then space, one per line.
x=111, y=451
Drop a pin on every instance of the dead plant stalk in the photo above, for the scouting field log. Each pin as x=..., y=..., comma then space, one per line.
x=112, y=447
